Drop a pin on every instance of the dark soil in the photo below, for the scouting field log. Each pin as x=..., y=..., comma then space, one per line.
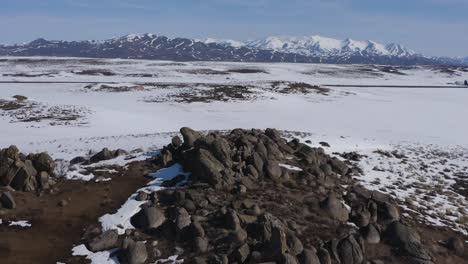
x=55, y=229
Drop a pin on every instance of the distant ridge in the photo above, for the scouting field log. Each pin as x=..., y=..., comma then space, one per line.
x=314, y=49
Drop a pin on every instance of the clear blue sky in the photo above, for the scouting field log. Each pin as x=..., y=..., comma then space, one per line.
x=434, y=27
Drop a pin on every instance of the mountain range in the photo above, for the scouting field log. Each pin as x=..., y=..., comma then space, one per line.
x=313, y=49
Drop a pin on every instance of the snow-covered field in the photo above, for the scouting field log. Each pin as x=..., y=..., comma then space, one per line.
x=132, y=104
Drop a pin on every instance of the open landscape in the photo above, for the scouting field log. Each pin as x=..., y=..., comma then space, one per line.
x=283, y=162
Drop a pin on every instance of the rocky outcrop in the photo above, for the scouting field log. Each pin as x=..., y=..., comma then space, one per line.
x=25, y=173
x=241, y=204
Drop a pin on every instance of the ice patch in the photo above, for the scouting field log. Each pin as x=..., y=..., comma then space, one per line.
x=103, y=257
x=20, y=223
x=170, y=260
x=120, y=221
x=290, y=167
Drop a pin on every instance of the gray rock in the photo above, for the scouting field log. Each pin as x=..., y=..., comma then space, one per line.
x=25, y=178
x=361, y=217
x=277, y=245
x=238, y=236
x=407, y=240
x=12, y=152
x=78, y=160
x=7, y=200
x=371, y=234
x=273, y=170
x=222, y=151
x=349, y=251
x=200, y=244
x=242, y=253
x=232, y=220
x=104, y=154
x=261, y=149
x=295, y=246
x=104, y=241
x=391, y=212
x=309, y=256
x=167, y=158
x=176, y=141
x=134, y=252
x=43, y=180
x=456, y=245
x=339, y=166
x=190, y=136
x=182, y=219
x=289, y=259
x=197, y=230
x=335, y=208
x=324, y=256
x=141, y=196
x=257, y=161
x=211, y=168
x=120, y=152
x=153, y=217
x=44, y=162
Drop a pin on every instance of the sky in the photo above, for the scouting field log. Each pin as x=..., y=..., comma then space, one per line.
x=433, y=27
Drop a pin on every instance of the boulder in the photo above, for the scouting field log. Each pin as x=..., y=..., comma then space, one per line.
x=176, y=142
x=166, y=157
x=339, y=166
x=324, y=256
x=44, y=162
x=371, y=234
x=257, y=161
x=273, y=170
x=152, y=218
x=335, y=208
x=210, y=167
x=104, y=241
x=190, y=136
x=9, y=173
x=407, y=240
x=25, y=178
x=78, y=160
x=242, y=253
x=288, y=259
x=196, y=230
x=456, y=245
x=200, y=244
x=309, y=256
x=390, y=212
x=295, y=246
x=120, y=152
x=277, y=246
x=237, y=237
x=182, y=219
x=222, y=151
x=232, y=220
x=104, y=154
x=361, y=216
x=141, y=196
x=43, y=180
x=134, y=252
x=12, y=152
x=7, y=200
x=349, y=251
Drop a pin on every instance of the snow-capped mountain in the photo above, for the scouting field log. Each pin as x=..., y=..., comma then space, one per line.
x=223, y=42
x=315, y=49
x=323, y=46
